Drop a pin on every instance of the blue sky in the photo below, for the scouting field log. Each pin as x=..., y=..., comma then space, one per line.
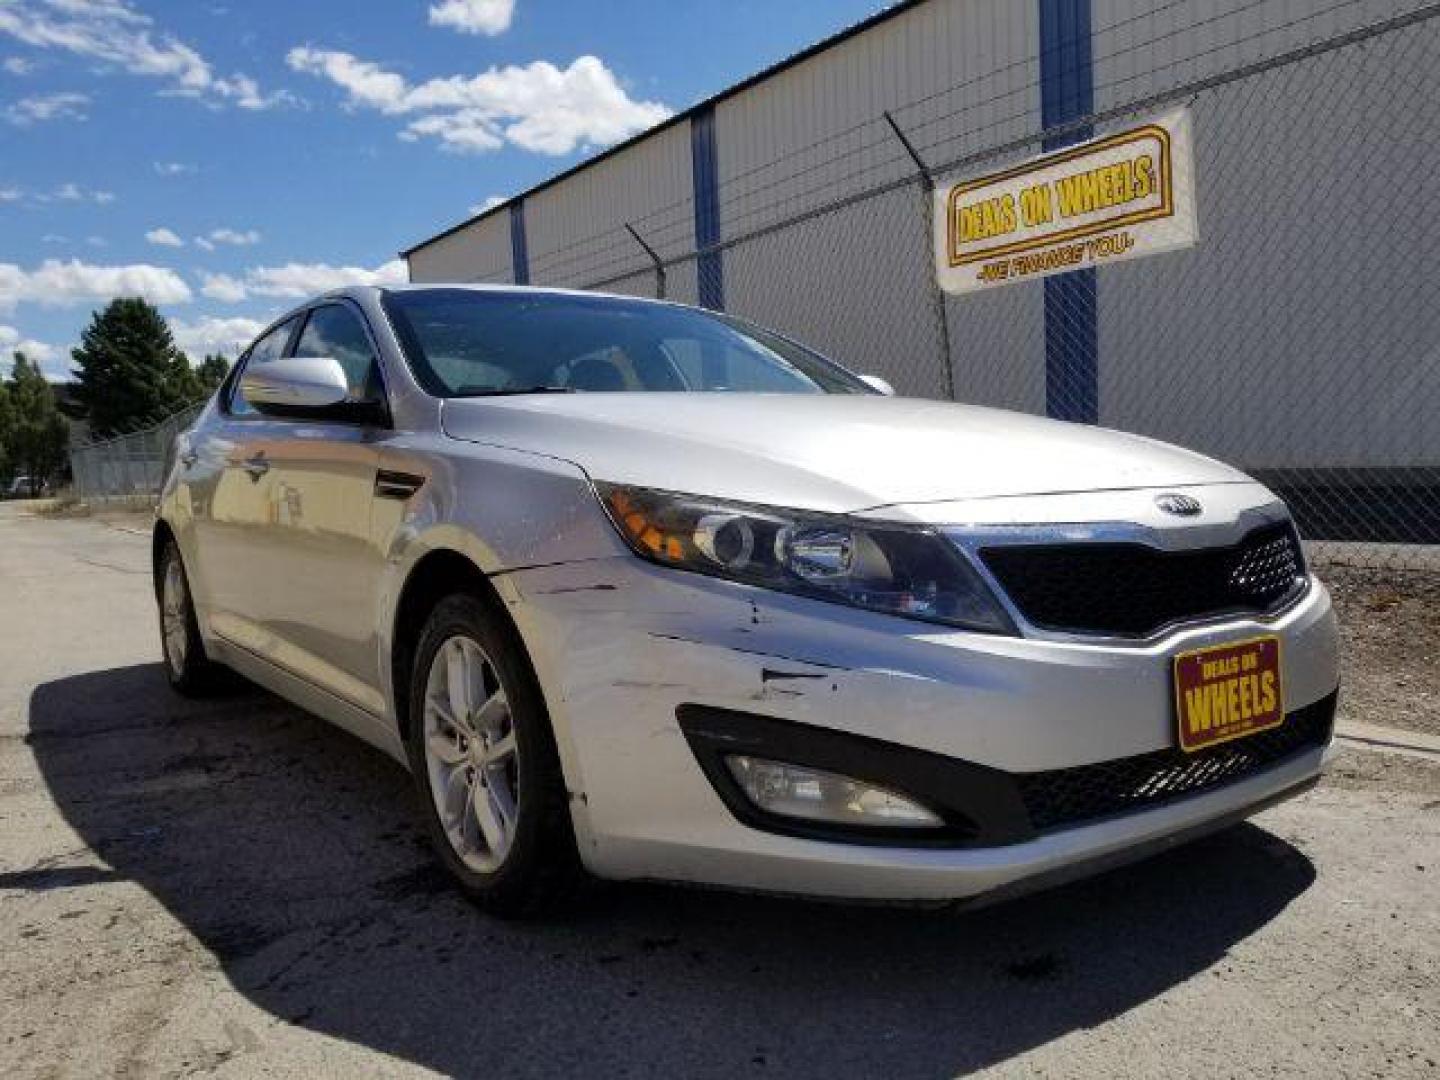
x=228, y=157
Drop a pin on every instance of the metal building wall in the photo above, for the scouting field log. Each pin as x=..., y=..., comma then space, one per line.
x=478, y=252
x=577, y=228
x=1291, y=334
x=858, y=283
x=1295, y=332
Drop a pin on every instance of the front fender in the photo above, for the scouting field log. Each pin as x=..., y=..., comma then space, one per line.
x=502, y=510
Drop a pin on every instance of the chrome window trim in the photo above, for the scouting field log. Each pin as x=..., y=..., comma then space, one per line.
x=970, y=539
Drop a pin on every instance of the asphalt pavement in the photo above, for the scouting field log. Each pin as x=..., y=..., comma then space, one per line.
x=236, y=889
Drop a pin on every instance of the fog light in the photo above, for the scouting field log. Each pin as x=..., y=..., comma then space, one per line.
x=795, y=791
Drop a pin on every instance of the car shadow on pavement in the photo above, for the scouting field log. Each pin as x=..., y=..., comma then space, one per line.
x=293, y=852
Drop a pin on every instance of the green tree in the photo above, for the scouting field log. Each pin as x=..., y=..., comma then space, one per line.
x=36, y=435
x=7, y=421
x=129, y=373
x=211, y=373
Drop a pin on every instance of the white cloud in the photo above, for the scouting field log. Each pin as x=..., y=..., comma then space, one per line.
x=111, y=32
x=223, y=287
x=299, y=280
x=73, y=192
x=11, y=340
x=211, y=334
x=69, y=192
x=18, y=65
x=97, y=241
x=537, y=107
x=45, y=107
x=203, y=244
x=163, y=237
x=57, y=283
x=491, y=201
x=304, y=279
x=474, y=16
x=234, y=237
x=172, y=168
x=53, y=364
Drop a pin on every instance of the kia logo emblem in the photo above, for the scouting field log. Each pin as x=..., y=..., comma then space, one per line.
x=1180, y=505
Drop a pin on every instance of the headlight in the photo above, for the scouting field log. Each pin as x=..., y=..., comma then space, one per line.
x=891, y=568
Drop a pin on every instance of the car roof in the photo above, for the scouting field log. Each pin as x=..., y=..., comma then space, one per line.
x=517, y=290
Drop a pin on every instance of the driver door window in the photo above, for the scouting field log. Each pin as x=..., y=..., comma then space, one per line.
x=336, y=331
x=268, y=348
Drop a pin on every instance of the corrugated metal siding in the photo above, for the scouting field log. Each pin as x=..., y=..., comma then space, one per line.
x=577, y=229
x=1297, y=331
x=479, y=252
x=1292, y=334
x=958, y=75
x=1142, y=47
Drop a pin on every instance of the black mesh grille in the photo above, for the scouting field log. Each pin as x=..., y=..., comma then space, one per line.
x=1069, y=796
x=1130, y=590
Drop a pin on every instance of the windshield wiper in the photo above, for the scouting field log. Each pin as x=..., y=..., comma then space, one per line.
x=511, y=391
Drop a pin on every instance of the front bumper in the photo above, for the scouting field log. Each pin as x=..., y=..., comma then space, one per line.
x=620, y=645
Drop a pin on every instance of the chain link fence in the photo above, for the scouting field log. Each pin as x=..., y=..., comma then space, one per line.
x=129, y=466
x=1299, y=339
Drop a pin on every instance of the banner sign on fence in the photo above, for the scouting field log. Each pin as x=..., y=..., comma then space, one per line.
x=1119, y=197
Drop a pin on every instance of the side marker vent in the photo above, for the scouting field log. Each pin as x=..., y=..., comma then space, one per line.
x=396, y=485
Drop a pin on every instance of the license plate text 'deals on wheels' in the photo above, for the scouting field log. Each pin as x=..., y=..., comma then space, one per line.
x=1227, y=692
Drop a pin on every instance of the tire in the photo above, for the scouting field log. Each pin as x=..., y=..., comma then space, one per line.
x=484, y=759
x=190, y=671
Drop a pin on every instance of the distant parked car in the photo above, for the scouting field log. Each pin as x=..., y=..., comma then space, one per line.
x=24, y=487
x=649, y=591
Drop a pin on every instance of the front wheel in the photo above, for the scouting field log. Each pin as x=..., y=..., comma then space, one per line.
x=483, y=754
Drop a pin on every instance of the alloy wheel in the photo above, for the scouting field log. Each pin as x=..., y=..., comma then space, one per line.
x=174, y=616
x=471, y=756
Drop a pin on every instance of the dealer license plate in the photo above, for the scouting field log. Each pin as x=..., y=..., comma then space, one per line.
x=1227, y=692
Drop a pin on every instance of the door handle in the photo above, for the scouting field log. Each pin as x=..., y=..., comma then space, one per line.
x=189, y=458
x=256, y=466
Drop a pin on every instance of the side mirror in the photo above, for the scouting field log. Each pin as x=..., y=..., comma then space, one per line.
x=876, y=383
x=295, y=384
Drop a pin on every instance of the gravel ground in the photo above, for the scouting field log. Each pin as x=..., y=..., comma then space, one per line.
x=237, y=889
x=1390, y=626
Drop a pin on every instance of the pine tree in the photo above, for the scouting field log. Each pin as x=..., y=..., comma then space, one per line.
x=211, y=373
x=7, y=421
x=129, y=373
x=36, y=435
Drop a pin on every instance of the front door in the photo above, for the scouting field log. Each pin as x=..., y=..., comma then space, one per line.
x=228, y=491
x=321, y=569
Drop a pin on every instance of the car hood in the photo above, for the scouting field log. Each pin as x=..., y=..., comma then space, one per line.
x=830, y=453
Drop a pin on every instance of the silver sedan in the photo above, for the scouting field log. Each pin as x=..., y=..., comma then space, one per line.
x=637, y=590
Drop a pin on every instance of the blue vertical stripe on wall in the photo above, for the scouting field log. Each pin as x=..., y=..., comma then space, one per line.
x=519, y=250
x=1067, y=93
x=710, y=266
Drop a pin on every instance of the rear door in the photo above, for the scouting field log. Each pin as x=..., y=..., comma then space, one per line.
x=315, y=590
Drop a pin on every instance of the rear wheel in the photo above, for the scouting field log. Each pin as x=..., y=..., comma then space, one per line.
x=484, y=757
x=189, y=670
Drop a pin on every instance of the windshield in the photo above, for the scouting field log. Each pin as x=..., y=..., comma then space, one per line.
x=466, y=343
